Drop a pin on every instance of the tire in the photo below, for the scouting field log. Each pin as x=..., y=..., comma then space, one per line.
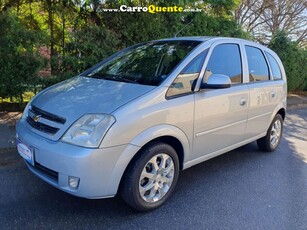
x=146, y=186
x=271, y=141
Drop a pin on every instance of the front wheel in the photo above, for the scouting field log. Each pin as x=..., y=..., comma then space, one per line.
x=271, y=141
x=151, y=178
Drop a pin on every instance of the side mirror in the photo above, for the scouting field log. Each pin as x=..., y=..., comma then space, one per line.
x=217, y=81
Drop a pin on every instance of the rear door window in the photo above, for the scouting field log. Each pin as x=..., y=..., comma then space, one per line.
x=257, y=65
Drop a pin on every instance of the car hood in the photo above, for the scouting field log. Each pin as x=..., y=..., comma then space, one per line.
x=77, y=96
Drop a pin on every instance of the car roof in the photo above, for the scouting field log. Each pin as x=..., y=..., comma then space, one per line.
x=212, y=39
x=192, y=38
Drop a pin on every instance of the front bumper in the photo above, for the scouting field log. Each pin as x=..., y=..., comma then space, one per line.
x=99, y=170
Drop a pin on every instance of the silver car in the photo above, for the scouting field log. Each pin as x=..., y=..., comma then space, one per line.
x=129, y=124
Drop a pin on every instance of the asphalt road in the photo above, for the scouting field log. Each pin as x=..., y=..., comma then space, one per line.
x=243, y=189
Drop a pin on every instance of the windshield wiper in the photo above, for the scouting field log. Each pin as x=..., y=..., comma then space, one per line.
x=112, y=77
x=122, y=78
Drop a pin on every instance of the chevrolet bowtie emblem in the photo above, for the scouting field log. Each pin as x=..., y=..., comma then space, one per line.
x=36, y=118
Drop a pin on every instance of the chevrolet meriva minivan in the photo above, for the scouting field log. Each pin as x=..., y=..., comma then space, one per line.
x=129, y=124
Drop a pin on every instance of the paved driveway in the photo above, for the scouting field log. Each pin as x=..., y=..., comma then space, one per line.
x=243, y=189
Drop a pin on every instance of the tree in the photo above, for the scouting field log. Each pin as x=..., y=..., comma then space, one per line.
x=294, y=60
x=19, y=59
x=87, y=47
x=264, y=18
x=79, y=34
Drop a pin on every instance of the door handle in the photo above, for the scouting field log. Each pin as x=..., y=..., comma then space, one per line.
x=273, y=93
x=243, y=101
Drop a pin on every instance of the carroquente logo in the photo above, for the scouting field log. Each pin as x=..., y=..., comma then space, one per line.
x=151, y=9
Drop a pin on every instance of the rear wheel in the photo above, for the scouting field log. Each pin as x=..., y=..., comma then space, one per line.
x=271, y=141
x=151, y=178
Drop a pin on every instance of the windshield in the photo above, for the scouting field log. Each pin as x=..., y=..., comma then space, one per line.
x=147, y=64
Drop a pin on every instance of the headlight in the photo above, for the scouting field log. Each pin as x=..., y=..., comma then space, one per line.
x=26, y=110
x=89, y=130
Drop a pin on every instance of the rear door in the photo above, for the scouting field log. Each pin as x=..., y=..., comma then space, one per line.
x=221, y=114
x=262, y=92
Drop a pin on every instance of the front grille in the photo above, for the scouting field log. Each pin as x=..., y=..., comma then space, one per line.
x=52, y=175
x=42, y=127
x=46, y=115
x=45, y=122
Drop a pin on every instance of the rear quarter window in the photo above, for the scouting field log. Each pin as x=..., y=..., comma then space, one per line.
x=274, y=66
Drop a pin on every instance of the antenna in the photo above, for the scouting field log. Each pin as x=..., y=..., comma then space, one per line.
x=183, y=28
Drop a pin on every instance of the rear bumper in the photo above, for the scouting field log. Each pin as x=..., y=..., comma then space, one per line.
x=99, y=170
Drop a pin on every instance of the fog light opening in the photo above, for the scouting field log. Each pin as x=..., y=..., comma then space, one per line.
x=73, y=182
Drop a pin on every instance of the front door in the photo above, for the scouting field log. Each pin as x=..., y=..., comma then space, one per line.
x=221, y=114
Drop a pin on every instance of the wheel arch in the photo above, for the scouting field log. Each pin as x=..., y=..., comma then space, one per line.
x=278, y=110
x=168, y=134
x=282, y=112
x=170, y=140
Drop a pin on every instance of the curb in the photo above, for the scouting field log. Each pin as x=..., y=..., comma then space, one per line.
x=299, y=105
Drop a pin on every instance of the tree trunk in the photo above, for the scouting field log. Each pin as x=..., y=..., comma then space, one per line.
x=63, y=31
x=51, y=29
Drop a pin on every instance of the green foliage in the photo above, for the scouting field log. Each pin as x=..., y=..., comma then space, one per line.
x=207, y=25
x=19, y=60
x=87, y=47
x=143, y=26
x=222, y=7
x=294, y=60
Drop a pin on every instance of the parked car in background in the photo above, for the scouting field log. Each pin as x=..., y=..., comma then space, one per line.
x=129, y=124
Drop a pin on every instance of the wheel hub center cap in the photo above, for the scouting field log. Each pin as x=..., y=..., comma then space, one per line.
x=158, y=177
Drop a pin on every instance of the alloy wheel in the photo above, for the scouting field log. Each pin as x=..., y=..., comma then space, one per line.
x=156, y=178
